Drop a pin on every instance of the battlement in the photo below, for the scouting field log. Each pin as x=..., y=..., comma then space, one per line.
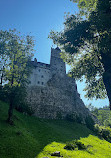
x=55, y=52
x=39, y=64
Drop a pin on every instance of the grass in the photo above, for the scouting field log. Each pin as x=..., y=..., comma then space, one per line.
x=97, y=149
x=31, y=137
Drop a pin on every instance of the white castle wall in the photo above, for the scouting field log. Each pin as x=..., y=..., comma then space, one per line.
x=40, y=76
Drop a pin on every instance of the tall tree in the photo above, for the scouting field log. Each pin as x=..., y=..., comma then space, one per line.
x=88, y=49
x=15, y=54
x=86, y=6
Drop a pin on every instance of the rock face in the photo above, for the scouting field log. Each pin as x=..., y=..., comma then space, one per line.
x=52, y=94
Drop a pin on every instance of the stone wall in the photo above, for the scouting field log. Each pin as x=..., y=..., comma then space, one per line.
x=58, y=99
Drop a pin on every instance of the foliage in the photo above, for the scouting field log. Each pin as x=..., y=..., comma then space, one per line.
x=86, y=46
x=15, y=57
x=103, y=115
x=86, y=6
x=59, y=115
x=90, y=107
x=75, y=144
x=71, y=117
x=104, y=132
x=19, y=102
x=107, y=123
x=16, y=52
x=74, y=117
x=24, y=108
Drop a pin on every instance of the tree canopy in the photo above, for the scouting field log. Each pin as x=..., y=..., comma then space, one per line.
x=86, y=46
x=15, y=56
x=86, y=6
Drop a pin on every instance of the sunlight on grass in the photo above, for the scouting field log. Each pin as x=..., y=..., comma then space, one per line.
x=96, y=148
x=31, y=137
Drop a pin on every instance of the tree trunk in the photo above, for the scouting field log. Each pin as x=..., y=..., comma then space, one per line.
x=1, y=79
x=107, y=83
x=10, y=112
x=106, y=60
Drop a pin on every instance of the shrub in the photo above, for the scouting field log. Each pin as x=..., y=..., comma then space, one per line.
x=59, y=115
x=103, y=132
x=70, y=146
x=24, y=108
x=3, y=94
x=79, y=119
x=107, y=122
x=74, y=117
x=71, y=117
x=75, y=144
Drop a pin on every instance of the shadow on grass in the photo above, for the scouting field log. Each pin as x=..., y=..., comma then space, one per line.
x=29, y=135
x=48, y=131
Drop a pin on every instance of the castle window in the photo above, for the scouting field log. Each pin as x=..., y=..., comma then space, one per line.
x=42, y=83
x=39, y=70
x=38, y=82
x=42, y=76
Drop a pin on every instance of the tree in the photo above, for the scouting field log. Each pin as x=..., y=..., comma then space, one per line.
x=86, y=6
x=15, y=55
x=90, y=107
x=86, y=47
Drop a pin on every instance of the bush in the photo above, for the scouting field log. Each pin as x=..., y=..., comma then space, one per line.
x=79, y=119
x=71, y=117
x=75, y=144
x=59, y=115
x=74, y=117
x=107, y=123
x=24, y=108
x=3, y=94
x=70, y=146
x=103, y=132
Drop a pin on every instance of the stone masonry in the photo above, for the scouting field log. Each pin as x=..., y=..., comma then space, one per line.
x=51, y=93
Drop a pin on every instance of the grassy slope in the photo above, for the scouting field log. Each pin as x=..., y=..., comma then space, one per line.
x=31, y=137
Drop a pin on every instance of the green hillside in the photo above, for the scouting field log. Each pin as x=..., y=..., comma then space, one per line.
x=31, y=137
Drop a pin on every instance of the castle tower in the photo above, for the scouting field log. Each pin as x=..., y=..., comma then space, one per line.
x=56, y=62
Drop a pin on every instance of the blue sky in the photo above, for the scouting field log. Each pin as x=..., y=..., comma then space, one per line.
x=39, y=17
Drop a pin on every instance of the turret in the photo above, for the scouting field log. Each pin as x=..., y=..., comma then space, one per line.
x=56, y=62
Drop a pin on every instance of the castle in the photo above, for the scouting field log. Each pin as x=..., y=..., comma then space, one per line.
x=51, y=93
